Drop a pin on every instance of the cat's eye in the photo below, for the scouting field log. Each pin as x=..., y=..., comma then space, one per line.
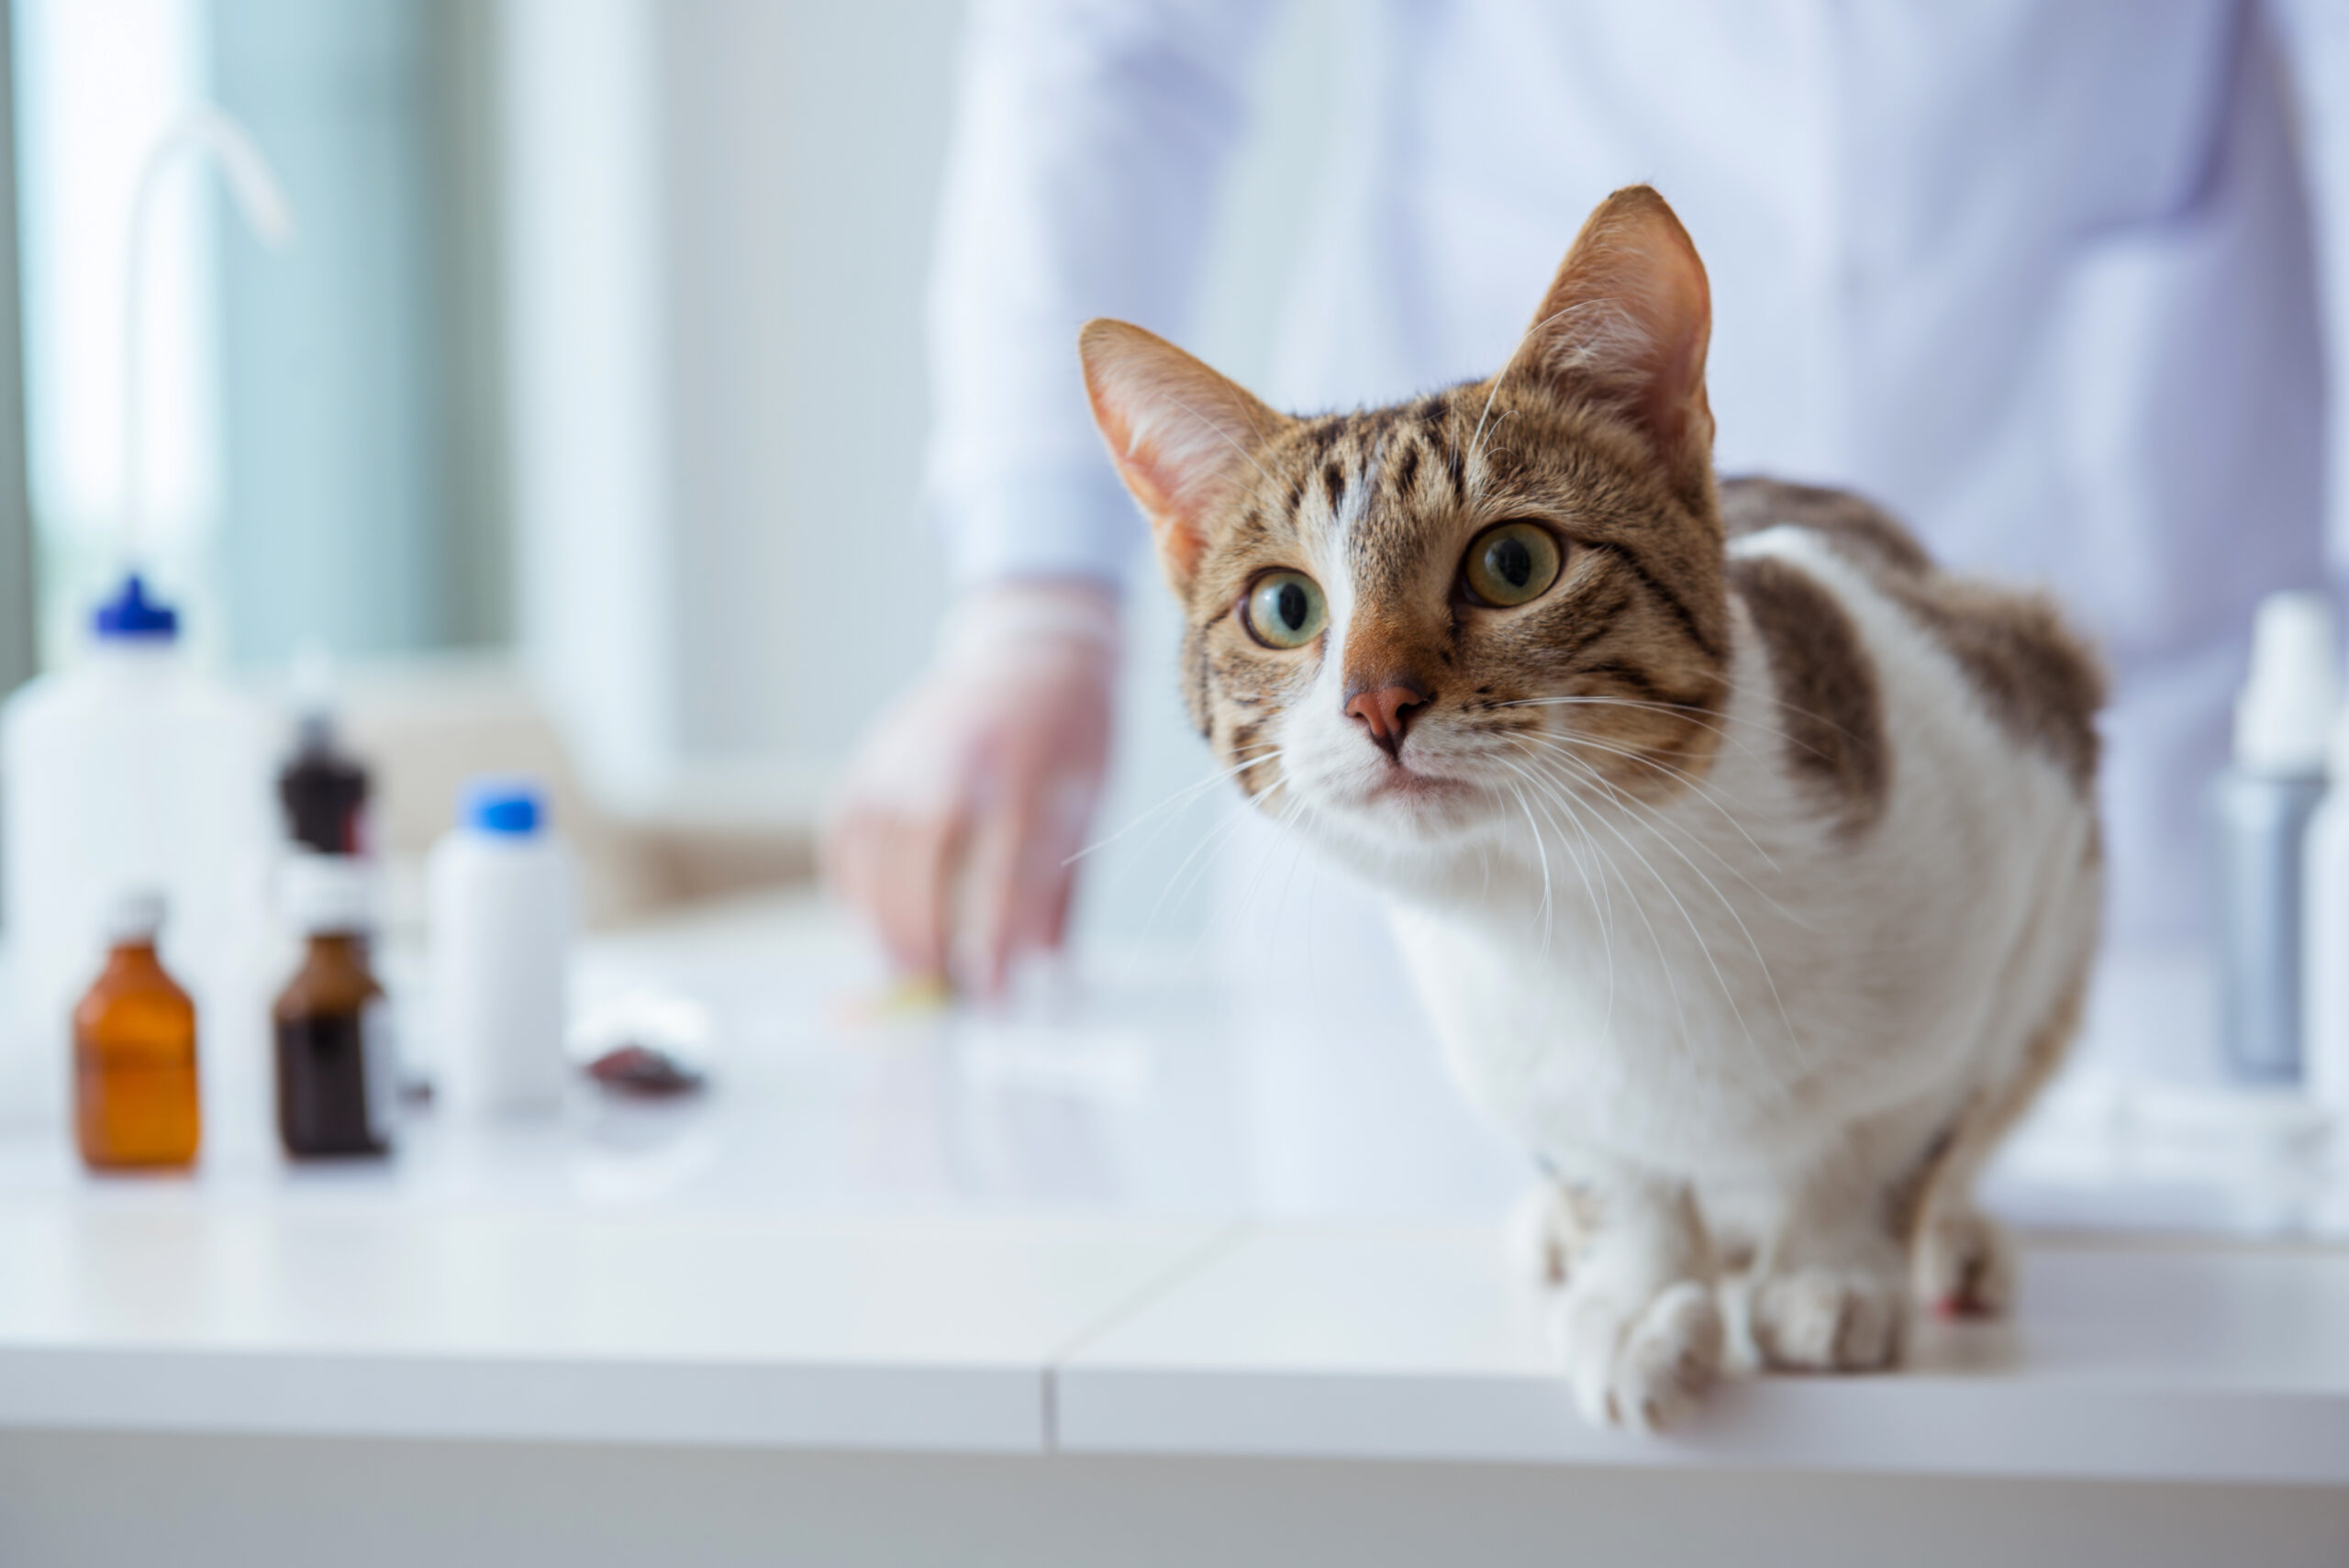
x=1512, y=564
x=1284, y=609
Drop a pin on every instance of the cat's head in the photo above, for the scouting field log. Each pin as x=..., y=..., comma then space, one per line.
x=1422, y=619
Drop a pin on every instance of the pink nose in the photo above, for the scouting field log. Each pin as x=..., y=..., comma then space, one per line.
x=1387, y=711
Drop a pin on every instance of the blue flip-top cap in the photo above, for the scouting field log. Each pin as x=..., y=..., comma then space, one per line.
x=511, y=807
x=131, y=613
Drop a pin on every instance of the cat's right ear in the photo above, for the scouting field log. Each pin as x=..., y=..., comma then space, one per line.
x=1182, y=437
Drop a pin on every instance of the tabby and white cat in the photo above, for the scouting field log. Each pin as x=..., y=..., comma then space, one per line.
x=1747, y=863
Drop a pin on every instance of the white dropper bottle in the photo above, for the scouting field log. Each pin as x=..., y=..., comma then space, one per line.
x=2260, y=812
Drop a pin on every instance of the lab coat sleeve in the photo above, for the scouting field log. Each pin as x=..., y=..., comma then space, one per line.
x=1081, y=180
x=2316, y=40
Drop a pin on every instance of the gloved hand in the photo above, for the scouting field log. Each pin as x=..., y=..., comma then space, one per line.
x=970, y=792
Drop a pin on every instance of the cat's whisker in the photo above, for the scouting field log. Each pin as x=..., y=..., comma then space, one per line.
x=1663, y=821
x=1526, y=807
x=1289, y=786
x=1694, y=715
x=1688, y=780
x=1234, y=815
x=1606, y=918
x=1297, y=807
x=1290, y=811
x=1181, y=797
x=1694, y=931
x=1639, y=908
x=1662, y=826
x=1728, y=907
x=1710, y=720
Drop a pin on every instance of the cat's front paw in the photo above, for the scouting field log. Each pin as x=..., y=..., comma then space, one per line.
x=1641, y=1369
x=1825, y=1319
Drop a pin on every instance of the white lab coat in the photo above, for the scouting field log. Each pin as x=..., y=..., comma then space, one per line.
x=2037, y=274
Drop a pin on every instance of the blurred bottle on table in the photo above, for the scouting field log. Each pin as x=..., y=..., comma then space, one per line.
x=137, y=1103
x=2325, y=953
x=323, y=789
x=503, y=901
x=336, y=1070
x=129, y=768
x=2260, y=811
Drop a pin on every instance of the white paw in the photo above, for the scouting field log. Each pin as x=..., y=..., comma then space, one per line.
x=1643, y=1370
x=1965, y=1265
x=1818, y=1318
x=1541, y=1234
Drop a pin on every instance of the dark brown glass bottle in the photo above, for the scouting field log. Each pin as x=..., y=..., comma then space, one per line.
x=323, y=792
x=136, y=1100
x=334, y=1070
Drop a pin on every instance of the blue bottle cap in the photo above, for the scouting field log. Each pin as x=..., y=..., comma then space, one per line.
x=131, y=614
x=508, y=807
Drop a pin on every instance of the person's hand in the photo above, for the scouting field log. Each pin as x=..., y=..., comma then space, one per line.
x=969, y=795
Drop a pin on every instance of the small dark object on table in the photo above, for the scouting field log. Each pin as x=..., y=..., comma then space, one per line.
x=644, y=1070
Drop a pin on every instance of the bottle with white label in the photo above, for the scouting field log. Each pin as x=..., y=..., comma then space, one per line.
x=2260, y=812
x=503, y=910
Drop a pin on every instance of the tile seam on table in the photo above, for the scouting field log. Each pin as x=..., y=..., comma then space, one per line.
x=1190, y=1266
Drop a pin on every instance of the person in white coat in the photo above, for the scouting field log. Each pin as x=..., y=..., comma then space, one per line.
x=2038, y=274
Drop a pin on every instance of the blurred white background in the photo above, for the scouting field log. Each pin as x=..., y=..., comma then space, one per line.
x=598, y=359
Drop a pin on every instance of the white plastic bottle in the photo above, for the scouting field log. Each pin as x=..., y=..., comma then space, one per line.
x=130, y=769
x=503, y=910
x=2260, y=811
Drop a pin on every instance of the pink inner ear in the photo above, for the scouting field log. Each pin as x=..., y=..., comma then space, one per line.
x=1145, y=470
x=1177, y=431
x=1628, y=316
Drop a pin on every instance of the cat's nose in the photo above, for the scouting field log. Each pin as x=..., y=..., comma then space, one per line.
x=1387, y=711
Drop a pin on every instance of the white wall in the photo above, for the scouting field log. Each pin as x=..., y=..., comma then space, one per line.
x=722, y=213
x=587, y=260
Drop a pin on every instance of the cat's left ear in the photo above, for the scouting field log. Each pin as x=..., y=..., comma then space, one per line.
x=1627, y=321
x=1184, y=437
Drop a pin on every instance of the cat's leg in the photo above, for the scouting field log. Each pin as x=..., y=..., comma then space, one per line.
x=1964, y=1265
x=1545, y=1230
x=1828, y=1289
x=1965, y=1262
x=1637, y=1321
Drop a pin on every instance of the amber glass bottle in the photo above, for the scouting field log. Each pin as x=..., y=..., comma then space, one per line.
x=135, y=1102
x=334, y=1067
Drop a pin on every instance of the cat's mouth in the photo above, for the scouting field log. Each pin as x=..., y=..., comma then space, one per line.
x=1400, y=781
x=1400, y=789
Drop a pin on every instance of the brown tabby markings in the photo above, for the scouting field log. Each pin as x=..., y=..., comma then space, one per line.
x=2037, y=680
x=1830, y=709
